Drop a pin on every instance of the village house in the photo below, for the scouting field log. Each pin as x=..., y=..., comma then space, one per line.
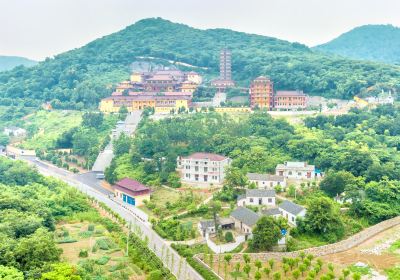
x=245, y=219
x=266, y=181
x=291, y=211
x=14, y=131
x=272, y=212
x=297, y=170
x=131, y=192
x=256, y=197
x=207, y=227
x=203, y=168
x=290, y=100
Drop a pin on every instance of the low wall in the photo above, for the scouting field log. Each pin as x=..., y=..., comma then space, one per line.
x=223, y=248
x=338, y=247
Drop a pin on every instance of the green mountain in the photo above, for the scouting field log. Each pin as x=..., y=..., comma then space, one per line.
x=9, y=62
x=80, y=77
x=368, y=42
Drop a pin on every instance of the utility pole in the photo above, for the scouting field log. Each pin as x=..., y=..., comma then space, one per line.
x=127, y=239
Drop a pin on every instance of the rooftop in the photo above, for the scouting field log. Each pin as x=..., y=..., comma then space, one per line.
x=245, y=216
x=295, y=165
x=265, y=177
x=209, y=156
x=271, y=212
x=260, y=193
x=132, y=185
x=291, y=207
x=289, y=93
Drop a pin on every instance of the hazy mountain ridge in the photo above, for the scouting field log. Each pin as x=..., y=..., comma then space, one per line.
x=367, y=42
x=9, y=62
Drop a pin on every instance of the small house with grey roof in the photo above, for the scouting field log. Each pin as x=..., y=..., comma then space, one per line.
x=266, y=181
x=257, y=197
x=245, y=219
x=291, y=211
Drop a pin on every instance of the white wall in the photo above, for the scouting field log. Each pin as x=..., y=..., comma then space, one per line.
x=268, y=184
x=255, y=201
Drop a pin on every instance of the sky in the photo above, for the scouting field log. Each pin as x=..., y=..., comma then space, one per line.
x=43, y=28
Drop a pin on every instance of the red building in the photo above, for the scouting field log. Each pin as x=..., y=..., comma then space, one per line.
x=290, y=100
x=131, y=191
x=262, y=93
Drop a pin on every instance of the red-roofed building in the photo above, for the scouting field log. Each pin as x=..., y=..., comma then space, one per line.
x=203, y=168
x=131, y=191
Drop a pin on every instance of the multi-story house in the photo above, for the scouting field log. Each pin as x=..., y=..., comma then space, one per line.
x=262, y=93
x=203, y=168
x=297, y=170
x=290, y=100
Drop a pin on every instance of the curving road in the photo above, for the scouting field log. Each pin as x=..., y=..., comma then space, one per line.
x=170, y=258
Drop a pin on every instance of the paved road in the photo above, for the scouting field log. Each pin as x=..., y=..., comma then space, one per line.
x=171, y=259
x=128, y=127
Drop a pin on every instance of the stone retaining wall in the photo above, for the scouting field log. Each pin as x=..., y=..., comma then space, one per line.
x=338, y=247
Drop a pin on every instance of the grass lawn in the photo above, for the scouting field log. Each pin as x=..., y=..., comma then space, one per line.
x=90, y=247
x=49, y=125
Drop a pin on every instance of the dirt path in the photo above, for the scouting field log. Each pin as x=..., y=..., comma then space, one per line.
x=373, y=251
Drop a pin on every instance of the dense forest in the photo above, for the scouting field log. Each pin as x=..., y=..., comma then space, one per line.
x=367, y=42
x=80, y=77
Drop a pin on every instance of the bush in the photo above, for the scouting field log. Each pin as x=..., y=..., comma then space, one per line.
x=91, y=227
x=103, y=260
x=83, y=253
x=105, y=244
x=229, y=237
x=155, y=275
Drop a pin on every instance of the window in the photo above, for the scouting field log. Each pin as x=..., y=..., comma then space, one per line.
x=196, y=168
x=187, y=175
x=251, y=200
x=269, y=200
x=187, y=167
x=214, y=169
x=292, y=219
x=290, y=172
x=196, y=177
x=299, y=173
x=205, y=178
x=205, y=169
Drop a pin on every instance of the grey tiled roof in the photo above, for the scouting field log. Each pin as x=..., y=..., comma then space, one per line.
x=206, y=224
x=265, y=177
x=245, y=215
x=271, y=212
x=260, y=193
x=291, y=207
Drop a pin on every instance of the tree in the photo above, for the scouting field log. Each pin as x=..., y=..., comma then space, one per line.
x=286, y=268
x=296, y=274
x=227, y=259
x=257, y=275
x=61, y=271
x=265, y=234
x=267, y=271
x=258, y=264
x=229, y=237
x=246, y=258
x=10, y=273
x=356, y=276
x=335, y=183
x=235, y=177
x=277, y=276
x=92, y=119
x=123, y=112
x=4, y=139
x=302, y=268
x=322, y=217
x=271, y=263
x=247, y=269
x=122, y=145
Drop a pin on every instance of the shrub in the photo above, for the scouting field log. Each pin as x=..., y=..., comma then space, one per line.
x=103, y=260
x=155, y=275
x=91, y=227
x=83, y=253
x=105, y=244
x=229, y=237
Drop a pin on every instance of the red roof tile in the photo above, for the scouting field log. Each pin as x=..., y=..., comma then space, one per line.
x=132, y=185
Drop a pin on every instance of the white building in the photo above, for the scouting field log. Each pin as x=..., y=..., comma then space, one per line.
x=291, y=211
x=244, y=219
x=257, y=197
x=296, y=170
x=14, y=131
x=266, y=181
x=203, y=168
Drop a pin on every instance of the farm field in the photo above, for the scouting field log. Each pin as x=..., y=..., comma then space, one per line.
x=92, y=248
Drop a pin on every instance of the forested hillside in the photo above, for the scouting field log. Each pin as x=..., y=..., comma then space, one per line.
x=369, y=42
x=80, y=77
x=9, y=62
